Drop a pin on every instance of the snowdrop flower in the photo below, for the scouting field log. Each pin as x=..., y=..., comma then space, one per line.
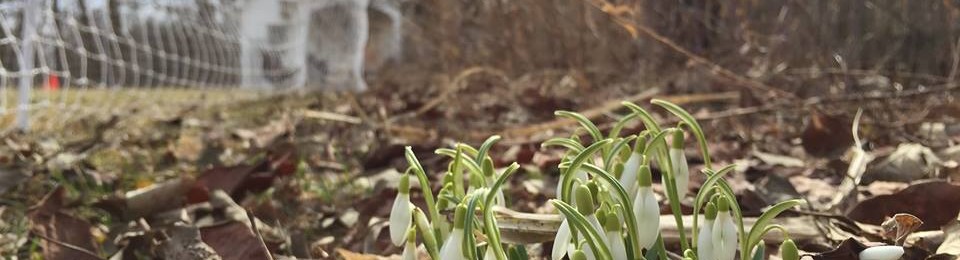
x=882, y=253
x=629, y=176
x=680, y=170
x=705, y=237
x=453, y=248
x=400, y=215
x=789, y=251
x=646, y=210
x=613, y=227
x=587, y=207
x=578, y=255
x=724, y=232
x=410, y=250
x=561, y=242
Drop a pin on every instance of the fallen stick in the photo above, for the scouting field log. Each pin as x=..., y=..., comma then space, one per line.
x=528, y=228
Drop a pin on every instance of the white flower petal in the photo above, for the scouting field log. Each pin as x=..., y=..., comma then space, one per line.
x=647, y=212
x=409, y=252
x=705, y=241
x=561, y=241
x=453, y=248
x=680, y=170
x=400, y=219
x=629, y=177
x=617, y=246
x=724, y=237
x=882, y=253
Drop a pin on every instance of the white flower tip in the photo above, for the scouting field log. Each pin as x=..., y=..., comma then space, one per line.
x=882, y=253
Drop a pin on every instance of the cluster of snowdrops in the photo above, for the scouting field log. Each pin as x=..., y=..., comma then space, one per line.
x=604, y=197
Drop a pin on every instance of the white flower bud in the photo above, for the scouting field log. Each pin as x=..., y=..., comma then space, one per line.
x=681, y=172
x=882, y=253
x=705, y=237
x=646, y=210
x=724, y=233
x=561, y=242
x=401, y=213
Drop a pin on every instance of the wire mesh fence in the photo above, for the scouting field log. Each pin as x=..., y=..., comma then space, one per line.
x=63, y=59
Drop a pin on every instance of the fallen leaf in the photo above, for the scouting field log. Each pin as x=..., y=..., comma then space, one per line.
x=899, y=226
x=63, y=235
x=234, y=240
x=184, y=243
x=934, y=202
x=951, y=243
x=825, y=135
x=776, y=159
x=348, y=255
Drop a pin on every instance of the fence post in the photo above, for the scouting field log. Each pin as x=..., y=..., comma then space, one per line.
x=31, y=13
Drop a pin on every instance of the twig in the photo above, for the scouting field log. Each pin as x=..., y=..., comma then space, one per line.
x=324, y=115
x=712, y=67
x=256, y=231
x=64, y=244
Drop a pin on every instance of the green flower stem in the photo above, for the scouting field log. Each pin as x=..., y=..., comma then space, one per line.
x=485, y=147
x=578, y=221
x=759, y=228
x=568, y=143
x=704, y=193
x=427, y=192
x=659, y=146
x=626, y=209
x=691, y=122
x=618, y=144
x=458, y=188
x=467, y=161
x=490, y=222
x=569, y=173
x=429, y=236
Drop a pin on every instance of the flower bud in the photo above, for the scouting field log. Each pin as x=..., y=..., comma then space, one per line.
x=453, y=247
x=789, y=251
x=724, y=232
x=705, y=235
x=420, y=220
x=400, y=214
x=681, y=172
x=487, y=167
x=647, y=213
x=882, y=253
x=584, y=200
x=578, y=255
x=629, y=176
x=613, y=227
x=561, y=242
x=410, y=249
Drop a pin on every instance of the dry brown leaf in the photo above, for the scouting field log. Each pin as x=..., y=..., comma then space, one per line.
x=899, y=226
x=951, y=243
x=934, y=202
x=63, y=235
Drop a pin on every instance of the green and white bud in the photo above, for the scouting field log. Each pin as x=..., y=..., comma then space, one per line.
x=646, y=210
x=789, y=251
x=613, y=231
x=681, y=172
x=705, y=235
x=410, y=249
x=400, y=214
x=724, y=232
x=453, y=247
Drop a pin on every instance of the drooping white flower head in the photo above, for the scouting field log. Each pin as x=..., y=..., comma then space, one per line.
x=679, y=164
x=630, y=171
x=453, y=247
x=705, y=235
x=613, y=228
x=400, y=214
x=561, y=242
x=724, y=232
x=410, y=249
x=646, y=210
x=882, y=253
